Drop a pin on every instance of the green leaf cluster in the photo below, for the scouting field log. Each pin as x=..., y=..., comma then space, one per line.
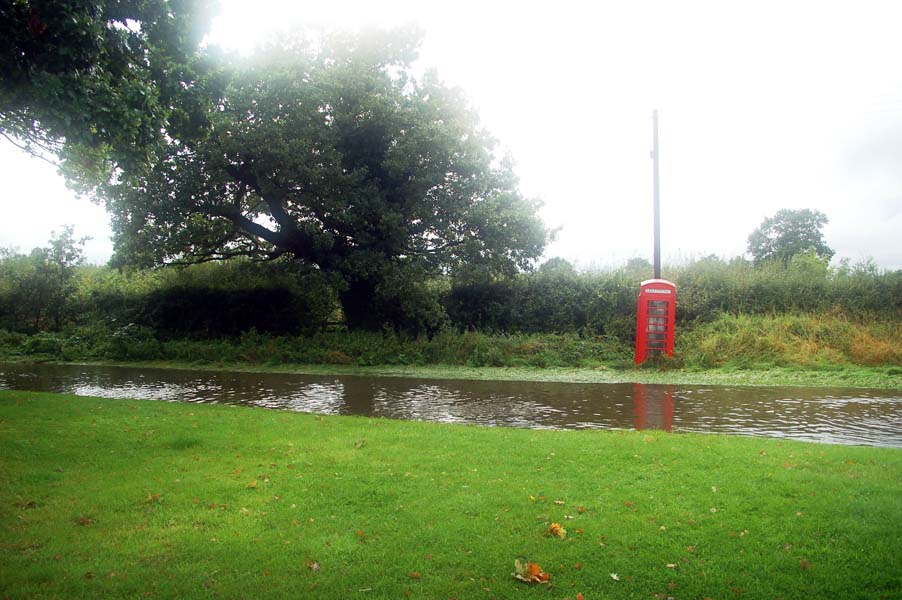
x=100, y=84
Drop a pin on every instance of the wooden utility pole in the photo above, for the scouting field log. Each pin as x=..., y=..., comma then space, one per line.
x=654, y=155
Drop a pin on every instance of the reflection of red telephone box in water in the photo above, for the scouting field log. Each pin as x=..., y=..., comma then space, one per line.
x=653, y=406
x=655, y=319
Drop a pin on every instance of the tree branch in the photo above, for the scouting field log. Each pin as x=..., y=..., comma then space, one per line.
x=29, y=151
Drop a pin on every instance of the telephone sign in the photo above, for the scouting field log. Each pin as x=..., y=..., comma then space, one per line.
x=655, y=319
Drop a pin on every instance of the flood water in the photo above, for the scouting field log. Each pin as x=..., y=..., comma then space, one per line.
x=832, y=415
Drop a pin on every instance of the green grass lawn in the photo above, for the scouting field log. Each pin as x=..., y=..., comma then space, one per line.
x=120, y=498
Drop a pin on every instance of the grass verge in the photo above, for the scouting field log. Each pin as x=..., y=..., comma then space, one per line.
x=848, y=376
x=120, y=498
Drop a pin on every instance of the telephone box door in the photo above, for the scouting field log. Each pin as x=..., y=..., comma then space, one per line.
x=655, y=319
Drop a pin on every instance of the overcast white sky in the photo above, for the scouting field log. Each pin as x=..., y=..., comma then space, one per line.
x=763, y=106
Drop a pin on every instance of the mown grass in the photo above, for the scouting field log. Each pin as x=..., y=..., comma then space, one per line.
x=119, y=498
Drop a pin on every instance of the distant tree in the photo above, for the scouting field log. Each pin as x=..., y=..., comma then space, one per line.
x=36, y=289
x=638, y=268
x=95, y=83
x=557, y=265
x=789, y=233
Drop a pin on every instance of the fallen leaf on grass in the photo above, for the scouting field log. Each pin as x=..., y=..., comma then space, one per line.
x=557, y=530
x=414, y=575
x=559, y=502
x=252, y=485
x=313, y=565
x=615, y=576
x=804, y=564
x=84, y=521
x=529, y=572
x=579, y=596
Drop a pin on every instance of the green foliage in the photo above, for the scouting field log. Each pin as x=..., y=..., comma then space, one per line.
x=790, y=233
x=555, y=298
x=35, y=289
x=133, y=342
x=334, y=154
x=560, y=300
x=792, y=340
x=97, y=82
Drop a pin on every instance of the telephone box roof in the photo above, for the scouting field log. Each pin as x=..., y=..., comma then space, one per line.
x=662, y=281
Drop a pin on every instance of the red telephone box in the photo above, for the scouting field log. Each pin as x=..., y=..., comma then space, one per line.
x=655, y=319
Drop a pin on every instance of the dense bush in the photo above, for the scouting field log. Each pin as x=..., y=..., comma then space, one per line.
x=190, y=311
x=559, y=300
x=226, y=300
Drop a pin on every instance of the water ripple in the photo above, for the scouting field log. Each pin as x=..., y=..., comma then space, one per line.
x=827, y=415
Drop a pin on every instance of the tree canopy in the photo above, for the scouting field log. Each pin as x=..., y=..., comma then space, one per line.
x=789, y=233
x=322, y=148
x=328, y=150
x=96, y=84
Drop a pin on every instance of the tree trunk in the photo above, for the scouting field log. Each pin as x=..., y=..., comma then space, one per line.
x=357, y=303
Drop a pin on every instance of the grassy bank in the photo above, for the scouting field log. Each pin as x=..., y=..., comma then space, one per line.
x=797, y=341
x=841, y=377
x=146, y=499
x=826, y=349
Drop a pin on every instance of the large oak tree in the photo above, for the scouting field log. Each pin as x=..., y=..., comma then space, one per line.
x=328, y=150
x=323, y=149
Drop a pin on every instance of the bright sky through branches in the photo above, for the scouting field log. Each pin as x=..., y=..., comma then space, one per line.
x=763, y=106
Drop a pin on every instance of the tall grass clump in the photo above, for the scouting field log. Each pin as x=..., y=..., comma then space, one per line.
x=791, y=340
